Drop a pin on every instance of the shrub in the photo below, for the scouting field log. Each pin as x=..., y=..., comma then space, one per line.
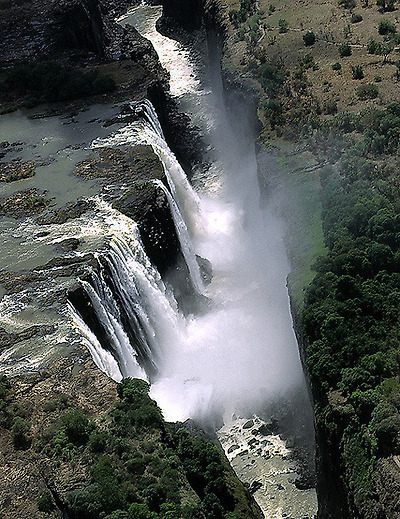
x=271, y=9
x=76, y=425
x=19, y=433
x=344, y=50
x=140, y=511
x=385, y=5
x=97, y=441
x=330, y=107
x=4, y=387
x=386, y=27
x=283, y=25
x=357, y=71
x=272, y=77
x=368, y=91
x=356, y=18
x=374, y=47
x=348, y=4
x=309, y=38
x=336, y=66
x=45, y=502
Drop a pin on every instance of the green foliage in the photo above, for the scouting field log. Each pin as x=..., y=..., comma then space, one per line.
x=45, y=502
x=386, y=27
x=336, y=66
x=386, y=5
x=140, y=511
x=344, y=50
x=5, y=387
x=352, y=307
x=357, y=71
x=330, y=107
x=272, y=77
x=368, y=91
x=247, y=8
x=20, y=433
x=309, y=38
x=45, y=81
x=135, y=469
x=76, y=425
x=283, y=25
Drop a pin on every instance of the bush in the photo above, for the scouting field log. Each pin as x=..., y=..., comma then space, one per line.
x=330, y=107
x=309, y=38
x=386, y=27
x=336, y=66
x=46, y=81
x=45, y=502
x=386, y=5
x=357, y=71
x=344, y=50
x=374, y=47
x=4, y=387
x=140, y=511
x=272, y=77
x=356, y=18
x=19, y=433
x=348, y=4
x=76, y=425
x=367, y=91
x=283, y=25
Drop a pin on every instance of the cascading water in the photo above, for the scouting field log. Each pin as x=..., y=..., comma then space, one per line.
x=241, y=356
x=134, y=313
x=184, y=239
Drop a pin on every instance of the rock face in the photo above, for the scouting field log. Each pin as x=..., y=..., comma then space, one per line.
x=147, y=205
x=26, y=474
x=79, y=24
x=186, y=13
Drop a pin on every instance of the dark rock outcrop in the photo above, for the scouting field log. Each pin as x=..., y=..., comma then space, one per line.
x=147, y=205
x=79, y=25
x=187, y=14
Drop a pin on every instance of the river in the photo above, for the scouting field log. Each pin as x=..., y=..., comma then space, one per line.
x=234, y=366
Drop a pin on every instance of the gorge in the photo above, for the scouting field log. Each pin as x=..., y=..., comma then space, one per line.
x=153, y=222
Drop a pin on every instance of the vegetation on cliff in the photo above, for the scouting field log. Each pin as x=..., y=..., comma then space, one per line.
x=128, y=465
x=30, y=83
x=328, y=82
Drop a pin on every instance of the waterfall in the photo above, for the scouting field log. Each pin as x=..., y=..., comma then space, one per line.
x=137, y=318
x=101, y=357
x=184, y=239
x=147, y=130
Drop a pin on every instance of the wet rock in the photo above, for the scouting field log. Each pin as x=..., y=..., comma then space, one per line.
x=267, y=429
x=248, y=425
x=255, y=485
x=16, y=170
x=148, y=206
x=205, y=269
x=9, y=339
x=70, y=211
x=15, y=282
x=24, y=203
x=68, y=245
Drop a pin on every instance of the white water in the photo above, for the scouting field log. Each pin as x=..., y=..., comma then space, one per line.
x=101, y=357
x=171, y=53
x=184, y=239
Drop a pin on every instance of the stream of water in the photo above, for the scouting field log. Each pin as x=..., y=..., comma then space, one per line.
x=231, y=364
